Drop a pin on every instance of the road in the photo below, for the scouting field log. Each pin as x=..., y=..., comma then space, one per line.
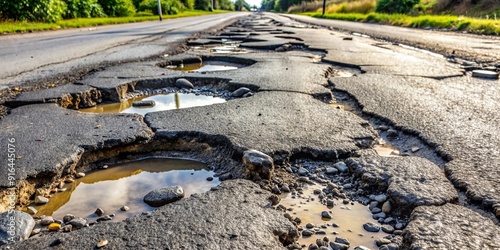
x=468, y=46
x=49, y=53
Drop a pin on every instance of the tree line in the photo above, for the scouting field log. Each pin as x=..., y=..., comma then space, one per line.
x=384, y=6
x=54, y=10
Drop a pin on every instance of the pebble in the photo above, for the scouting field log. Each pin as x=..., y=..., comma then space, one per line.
x=313, y=246
x=99, y=211
x=104, y=218
x=163, y=196
x=55, y=227
x=67, y=228
x=388, y=220
x=380, y=198
x=323, y=232
x=371, y=227
x=32, y=210
x=144, y=104
x=102, y=243
x=342, y=241
x=326, y=215
x=383, y=128
x=46, y=220
x=307, y=232
x=376, y=210
x=36, y=231
x=183, y=83
x=285, y=188
x=330, y=203
x=414, y=149
x=382, y=241
x=330, y=170
x=40, y=200
x=338, y=246
x=380, y=215
x=392, y=133
x=210, y=178
x=310, y=225
x=80, y=175
x=361, y=248
x=240, y=92
x=341, y=166
x=78, y=223
x=345, y=201
x=399, y=226
x=302, y=171
x=387, y=207
x=387, y=229
x=67, y=218
x=124, y=208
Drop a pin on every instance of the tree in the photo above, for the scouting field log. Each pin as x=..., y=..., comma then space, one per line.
x=83, y=8
x=33, y=10
x=395, y=6
x=118, y=7
x=202, y=4
x=168, y=7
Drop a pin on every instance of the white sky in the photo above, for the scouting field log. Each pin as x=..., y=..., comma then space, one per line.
x=254, y=2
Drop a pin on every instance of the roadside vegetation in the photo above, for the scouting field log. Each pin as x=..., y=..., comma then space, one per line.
x=475, y=16
x=36, y=15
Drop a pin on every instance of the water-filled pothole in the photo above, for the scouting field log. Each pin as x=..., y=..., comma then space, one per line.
x=161, y=102
x=347, y=219
x=126, y=184
x=210, y=66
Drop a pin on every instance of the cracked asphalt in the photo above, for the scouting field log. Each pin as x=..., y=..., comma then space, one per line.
x=419, y=94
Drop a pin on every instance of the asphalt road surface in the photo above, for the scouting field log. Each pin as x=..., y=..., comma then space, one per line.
x=60, y=51
x=472, y=47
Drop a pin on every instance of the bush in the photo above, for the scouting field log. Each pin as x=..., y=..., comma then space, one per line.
x=33, y=10
x=360, y=6
x=202, y=4
x=168, y=7
x=395, y=6
x=118, y=8
x=83, y=8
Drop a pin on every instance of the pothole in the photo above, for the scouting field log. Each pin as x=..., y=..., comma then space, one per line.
x=208, y=66
x=126, y=184
x=346, y=222
x=155, y=103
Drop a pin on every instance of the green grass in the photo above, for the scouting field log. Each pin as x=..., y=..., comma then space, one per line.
x=20, y=27
x=457, y=23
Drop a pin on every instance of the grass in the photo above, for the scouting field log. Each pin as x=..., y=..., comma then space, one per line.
x=21, y=27
x=456, y=23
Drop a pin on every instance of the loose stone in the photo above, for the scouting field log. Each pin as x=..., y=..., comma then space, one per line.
x=309, y=225
x=307, y=232
x=102, y=243
x=371, y=227
x=183, y=83
x=331, y=171
x=55, y=227
x=67, y=218
x=302, y=171
x=380, y=215
x=99, y=212
x=342, y=241
x=313, y=246
x=399, y=226
x=147, y=103
x=46, y=220
x=32, y=210
x=67, y=228
x=341, y=166
x=78, y=223
x=240, y=92
x=326, y=215
x=330, y=203
x=210, y=178
x=285, y=188
x=338, y=246
x=258, y=164
x=163, y=196
x=387, y=229
x=361, y=248
x=80, y=175
x=124, y=208
x=392, y=133
x=387, y=207
x=104, y=218
x=40, y=200
x=415, y=149
x=381, y=198
x=275, y=200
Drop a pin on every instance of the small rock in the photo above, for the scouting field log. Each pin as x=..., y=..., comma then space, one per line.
x=183, y=83
x=163, y=196
x=32, y=210
x=80, y=175
x=414, y=149
x=338, y=246
x=35, y=231
x=102, y=243
x=371, y=227
x=105, y=218
x=77, y=223
x=380, y=215
x=67, y=228
x=330, y=203
x=381, y=198
x=240, y=92
x=23, y=222
x=46, y=220
x=485, y=74
x=375, y=210
x=361, y=248
x=258, y=164
x=330, y=170
x=275, y=200
x=124, y=208
x=387, y=207
x=399, y=226
x=387, y=229
x=210, y=178
x=313, y=246
x=388, y=220
x=382, y=241
x=144, y=104
x=342, y=241
x=326, y=215
x=54, y=227
x=307, y=232
x=392, y=133
x=302, y=171
x=99, y=211
x=309, y=225
x=40, y=200
x=105, y=167
x=383, y=127
x=225, y=177
x=341, y=166
x=285, y=188
x=67, y=218
x=345, y=202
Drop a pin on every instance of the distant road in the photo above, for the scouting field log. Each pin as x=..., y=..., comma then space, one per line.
x=23, y=56
x=467, y=46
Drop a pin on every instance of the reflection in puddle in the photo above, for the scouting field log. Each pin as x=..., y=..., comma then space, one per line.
x=126, y=184
x=163, y=102
x=386, y=150
x=205, y=67
x=349, y=218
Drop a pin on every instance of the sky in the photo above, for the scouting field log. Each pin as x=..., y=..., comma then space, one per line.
x=254, y=2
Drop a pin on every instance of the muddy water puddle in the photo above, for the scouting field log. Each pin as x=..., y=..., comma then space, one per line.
x=161, y=102
x=205, y=67
x=126, y=184
x=349, y=219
